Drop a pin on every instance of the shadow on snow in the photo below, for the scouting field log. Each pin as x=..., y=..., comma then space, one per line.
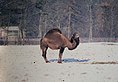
x=67, y=60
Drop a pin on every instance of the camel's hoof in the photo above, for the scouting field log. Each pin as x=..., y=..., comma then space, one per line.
x=59, y=62
x=47, y=62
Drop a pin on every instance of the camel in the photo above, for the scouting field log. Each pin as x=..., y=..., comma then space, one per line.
x=54, y=39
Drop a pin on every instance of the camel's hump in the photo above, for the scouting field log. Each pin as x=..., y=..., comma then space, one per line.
x=54, y=30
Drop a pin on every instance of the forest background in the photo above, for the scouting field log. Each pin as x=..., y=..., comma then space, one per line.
x=90, y=18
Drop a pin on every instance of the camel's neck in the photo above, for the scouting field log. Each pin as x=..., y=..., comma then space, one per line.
x=75, y=43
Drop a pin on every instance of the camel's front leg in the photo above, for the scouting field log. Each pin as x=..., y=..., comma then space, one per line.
x=60, y=55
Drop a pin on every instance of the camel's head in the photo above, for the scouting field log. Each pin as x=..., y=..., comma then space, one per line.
x=75, y=39
x=75, y=35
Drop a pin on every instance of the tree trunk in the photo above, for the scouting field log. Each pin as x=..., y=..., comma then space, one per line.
x=91, y=22
x=69, y=21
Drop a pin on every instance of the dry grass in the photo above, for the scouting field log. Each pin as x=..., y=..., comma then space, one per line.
x=112, y=62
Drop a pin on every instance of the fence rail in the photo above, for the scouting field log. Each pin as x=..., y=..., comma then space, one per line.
x=35, y=41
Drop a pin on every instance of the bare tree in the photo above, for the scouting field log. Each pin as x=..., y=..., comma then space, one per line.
x=91, y=21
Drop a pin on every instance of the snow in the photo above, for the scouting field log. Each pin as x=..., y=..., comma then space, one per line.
x=25, y=64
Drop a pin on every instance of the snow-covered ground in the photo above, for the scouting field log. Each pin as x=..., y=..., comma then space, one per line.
x=90, y=62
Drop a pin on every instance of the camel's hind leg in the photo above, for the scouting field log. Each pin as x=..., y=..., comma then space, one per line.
x=44, y=48
x=44, y=52
x=60, y=55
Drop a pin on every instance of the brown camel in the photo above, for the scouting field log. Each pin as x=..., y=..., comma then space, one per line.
x=54, y=39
